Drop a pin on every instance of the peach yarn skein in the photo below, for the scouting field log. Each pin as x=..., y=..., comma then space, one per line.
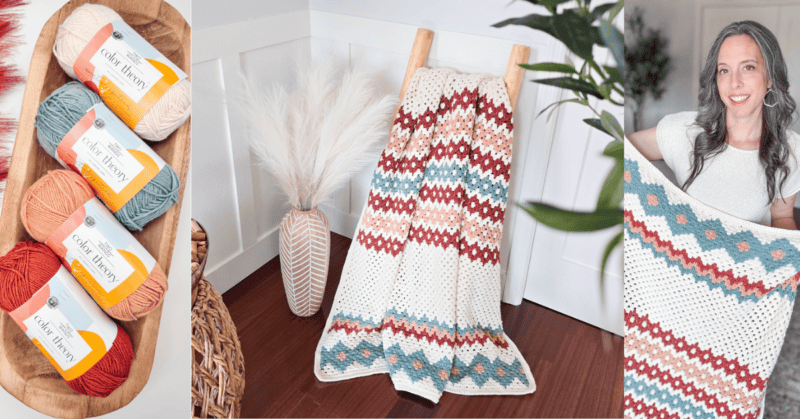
x=167, y=114
x=49, y=202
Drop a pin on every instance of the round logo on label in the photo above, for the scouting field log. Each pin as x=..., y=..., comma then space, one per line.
x=99, y=123
x=52, y=302
x=117, y=35
x=89, y=221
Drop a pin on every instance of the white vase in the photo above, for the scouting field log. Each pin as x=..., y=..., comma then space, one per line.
x=305, y=243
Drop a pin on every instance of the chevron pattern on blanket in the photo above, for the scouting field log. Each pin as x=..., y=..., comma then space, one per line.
x=708, y=298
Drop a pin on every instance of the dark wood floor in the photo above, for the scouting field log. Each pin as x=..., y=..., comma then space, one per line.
x=577, y=367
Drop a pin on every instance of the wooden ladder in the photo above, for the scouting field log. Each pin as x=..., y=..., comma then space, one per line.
x=512, y=78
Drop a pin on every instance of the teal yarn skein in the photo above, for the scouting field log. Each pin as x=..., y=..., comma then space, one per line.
x=61, y=111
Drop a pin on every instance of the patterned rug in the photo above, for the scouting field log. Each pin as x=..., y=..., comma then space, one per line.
x=708, y=298
x=419, y=296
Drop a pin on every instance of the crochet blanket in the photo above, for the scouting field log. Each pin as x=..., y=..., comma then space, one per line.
x=708, y=298
x=419, y=296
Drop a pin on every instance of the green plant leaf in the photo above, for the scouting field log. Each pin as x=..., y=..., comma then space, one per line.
x=573, y=100
x=599, y=10
x=575, y=32
x=617, y=8
x=550, y=4
x=595, y=66
x=595, y=123
x=611, y=125
x=612, y=192
x=605, y=90
x=614, y=242
x=553, y=67
x=571, y=84
x=614, y=41
x=614, y=76
x=564, y=220
x=615, y=149
x=533, y=21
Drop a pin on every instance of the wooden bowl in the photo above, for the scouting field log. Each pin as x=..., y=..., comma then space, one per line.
x=24, y=371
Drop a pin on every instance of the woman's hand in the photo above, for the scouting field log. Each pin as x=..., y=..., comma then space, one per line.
x=782, y=213
x=646, y=142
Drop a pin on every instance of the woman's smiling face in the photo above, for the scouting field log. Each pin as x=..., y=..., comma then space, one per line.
x=741, y=76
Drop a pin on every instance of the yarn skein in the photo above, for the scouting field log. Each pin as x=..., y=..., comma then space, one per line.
x=55, y=118
x=167, y=114
x=25, y=270
x=49, y=202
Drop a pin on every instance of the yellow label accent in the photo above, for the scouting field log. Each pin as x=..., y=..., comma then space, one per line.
x=116, y=201
x=128, y=111
x=122, y=291
x=98, y=351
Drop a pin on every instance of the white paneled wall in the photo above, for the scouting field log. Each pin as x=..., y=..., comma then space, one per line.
x=241, y=206
x=235, y=200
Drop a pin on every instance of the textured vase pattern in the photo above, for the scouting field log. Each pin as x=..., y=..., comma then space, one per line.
x=708, y=298
x=305, y=249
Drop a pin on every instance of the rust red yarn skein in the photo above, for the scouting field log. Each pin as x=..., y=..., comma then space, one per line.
x=45, y=207
x=25, y=270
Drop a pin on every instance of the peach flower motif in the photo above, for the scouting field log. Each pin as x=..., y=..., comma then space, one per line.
x=652, y=200
x=479, y=368
x=743, y=246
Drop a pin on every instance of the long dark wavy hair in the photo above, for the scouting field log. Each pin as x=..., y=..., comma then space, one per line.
x=774, y=149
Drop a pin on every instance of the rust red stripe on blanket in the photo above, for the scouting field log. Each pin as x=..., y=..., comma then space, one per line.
x=731, y=281
x=731, y=367
x=420, y=332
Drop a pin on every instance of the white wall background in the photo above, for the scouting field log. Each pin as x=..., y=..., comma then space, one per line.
x=557, y=160
x=691, y=27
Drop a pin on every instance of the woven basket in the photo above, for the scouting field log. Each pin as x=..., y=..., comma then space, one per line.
x=217, y=361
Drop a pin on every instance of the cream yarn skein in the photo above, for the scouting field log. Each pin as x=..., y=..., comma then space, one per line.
x=167, y=114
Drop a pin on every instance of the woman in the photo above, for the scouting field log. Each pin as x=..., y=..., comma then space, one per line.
x=736, y=152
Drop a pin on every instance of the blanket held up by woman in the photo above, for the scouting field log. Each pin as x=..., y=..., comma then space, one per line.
x=708, y=298
x=419, y=296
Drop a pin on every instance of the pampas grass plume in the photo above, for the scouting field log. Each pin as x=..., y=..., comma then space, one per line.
x=313, y=139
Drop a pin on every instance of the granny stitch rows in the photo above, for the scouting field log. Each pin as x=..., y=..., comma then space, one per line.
x=419, y=296
x=708, y=298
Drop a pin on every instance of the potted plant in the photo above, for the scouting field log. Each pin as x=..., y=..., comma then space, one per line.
x=577, y=28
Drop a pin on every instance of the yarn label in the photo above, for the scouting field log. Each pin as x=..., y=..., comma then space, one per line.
x=111, y=157
x=66, y=325
x=126, y=71
x=102, y=255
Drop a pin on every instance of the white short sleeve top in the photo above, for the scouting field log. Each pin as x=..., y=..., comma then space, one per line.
x=733, y=181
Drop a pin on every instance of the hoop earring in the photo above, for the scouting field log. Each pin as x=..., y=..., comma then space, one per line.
x=765, y=99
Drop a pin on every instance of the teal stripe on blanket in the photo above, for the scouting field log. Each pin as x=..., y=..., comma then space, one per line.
x=698, y=228
x=653, y=393
x=785, y=292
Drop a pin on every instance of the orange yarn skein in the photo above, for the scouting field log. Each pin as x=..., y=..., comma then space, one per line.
x=49, y=202
x=23, y=272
